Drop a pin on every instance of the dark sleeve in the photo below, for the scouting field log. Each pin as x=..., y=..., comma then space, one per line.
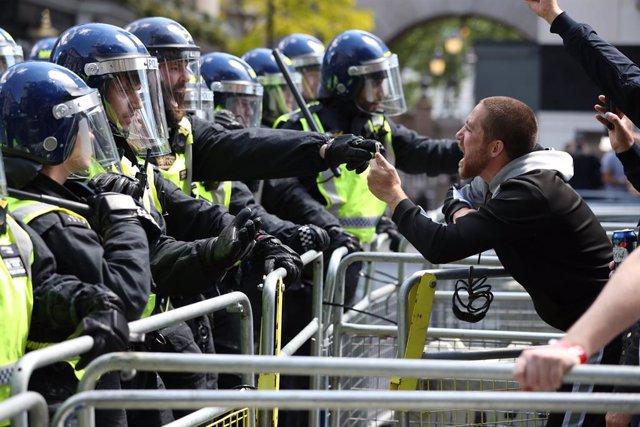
x=179, y=268
x=121, y=262
x=420, y=154
x=630, y=354
x=255, y=153
x=60, y=301
x=615, y=75
x=288, y=198
x=241, y=197
x=503, y=219
x=187, y=218
x=631, y=161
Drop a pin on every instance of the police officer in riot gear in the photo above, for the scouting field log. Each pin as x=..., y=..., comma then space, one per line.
x=306, y=53
x=53, y=127
x=41, y=50
x=360, y=89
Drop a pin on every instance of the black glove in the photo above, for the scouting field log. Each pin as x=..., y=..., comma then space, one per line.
x=309, y=237
x=353, y=150
x=227, y=120
x=233, y=243
x=386, y=225
x=109, y=330
x=110, y=208
x=117, y=183
x=276, y=254
x=339, y=238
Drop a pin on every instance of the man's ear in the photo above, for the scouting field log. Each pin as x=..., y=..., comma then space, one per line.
x=497, y=147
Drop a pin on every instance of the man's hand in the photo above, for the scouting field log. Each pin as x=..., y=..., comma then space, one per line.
x=619, y=126
x=117, y=183
x=543, y=368
x=278, y=255
x=339, y=238
x=227, y=119
x=234, y=242
x=109, y=330
x=384, y=182
x=546, y=9
x=615, y=419
x=309, y=237
x=353, y=150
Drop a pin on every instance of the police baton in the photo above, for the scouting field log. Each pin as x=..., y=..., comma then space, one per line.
x=79, y=208
x=277, y=55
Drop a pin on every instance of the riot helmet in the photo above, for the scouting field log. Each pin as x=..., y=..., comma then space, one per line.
x=41, y=50
x=178, y=56
x=116, y=63
x=51, y=116
x=235, y=86
x=306, y=53
x=278, y=98
x=10, y=51
x=359, y=67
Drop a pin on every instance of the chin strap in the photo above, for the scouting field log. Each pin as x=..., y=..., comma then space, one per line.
x=479, y=298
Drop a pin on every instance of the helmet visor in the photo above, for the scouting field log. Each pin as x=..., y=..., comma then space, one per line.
x=199, y=101
x=278, y=98
x=310, y=82
x=90, y=148
x=134, y=106
x=382, y=87
x=10, y=55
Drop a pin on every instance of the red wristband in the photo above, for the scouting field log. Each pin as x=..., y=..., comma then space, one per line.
x=575, y=349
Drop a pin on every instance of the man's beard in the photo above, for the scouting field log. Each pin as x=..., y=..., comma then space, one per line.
x=173, y=114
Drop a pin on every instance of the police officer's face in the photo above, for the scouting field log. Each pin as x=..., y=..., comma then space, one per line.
x=243, y=109
x=473, y=145
x=124, y=100
x=174, y=75
x=372, y=92
x=80, y=158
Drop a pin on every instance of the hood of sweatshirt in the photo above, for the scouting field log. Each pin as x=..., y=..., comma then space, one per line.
x=559, y=161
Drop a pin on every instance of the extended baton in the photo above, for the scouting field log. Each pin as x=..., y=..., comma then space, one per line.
x=79, y=208
x=277, y=55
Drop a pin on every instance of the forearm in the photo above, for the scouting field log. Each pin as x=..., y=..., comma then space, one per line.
x=615, y=309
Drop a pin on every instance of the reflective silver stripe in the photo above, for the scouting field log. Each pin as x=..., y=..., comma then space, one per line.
x=359, y=221
x=5, y=373
x=330, y=189
x=382, y=64
x=278, y=79
x=121, y=65
x=76, y=105
x=307, y=60
x=11, y=50
x=23, y=242
x=238, y=86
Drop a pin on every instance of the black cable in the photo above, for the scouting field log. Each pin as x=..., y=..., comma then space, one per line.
x=377, y=316
x=477, y=291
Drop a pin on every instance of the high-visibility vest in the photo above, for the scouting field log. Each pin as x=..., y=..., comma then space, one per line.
x=16, y=299
x=348, y=196
x=28, y=210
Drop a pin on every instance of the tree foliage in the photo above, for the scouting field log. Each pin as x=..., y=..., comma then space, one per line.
x=320, y=18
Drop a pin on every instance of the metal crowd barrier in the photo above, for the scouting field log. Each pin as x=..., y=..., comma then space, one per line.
x=75, y=347
x=29, y=401
x=313, y=399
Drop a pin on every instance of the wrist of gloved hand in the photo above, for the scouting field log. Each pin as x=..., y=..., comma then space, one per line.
x=386, y=225
x=339, y=238
x=309, y=237
x=278, y=255
x=110, y=208
x=109, y=330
